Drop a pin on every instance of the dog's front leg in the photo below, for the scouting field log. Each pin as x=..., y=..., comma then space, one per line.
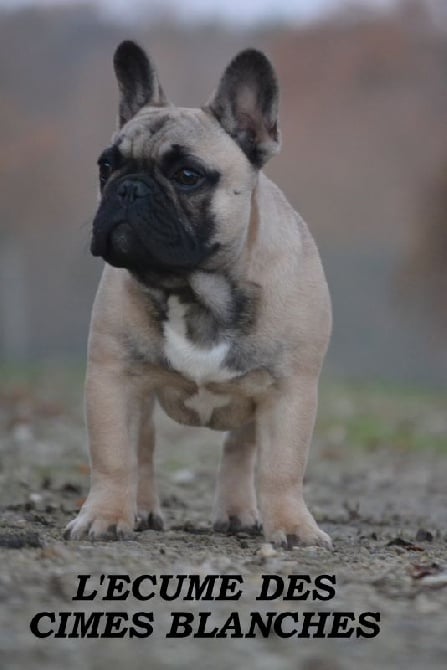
x=113, y=413
x=285, y=422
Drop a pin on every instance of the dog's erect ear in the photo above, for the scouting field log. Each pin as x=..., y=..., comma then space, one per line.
x=246, y=105
x=137, y=80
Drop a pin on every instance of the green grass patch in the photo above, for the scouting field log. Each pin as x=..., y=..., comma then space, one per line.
x=375, y=415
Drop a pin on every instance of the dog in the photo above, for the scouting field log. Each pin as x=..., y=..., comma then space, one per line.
x=213, y=302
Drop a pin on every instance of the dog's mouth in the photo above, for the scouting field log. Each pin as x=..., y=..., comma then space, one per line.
x=120, y=239
x=139, y=250
x=138, y=227
x=116, y=247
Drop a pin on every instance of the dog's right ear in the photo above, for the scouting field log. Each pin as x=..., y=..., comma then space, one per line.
x=137, y=80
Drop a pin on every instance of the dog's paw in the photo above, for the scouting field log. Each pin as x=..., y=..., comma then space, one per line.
x=297, y=530
x=300, y=537
x=100, y=526
x=246, y=521
x=149, y=520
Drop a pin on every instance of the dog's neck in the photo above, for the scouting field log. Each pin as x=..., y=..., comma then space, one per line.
x=215, y=306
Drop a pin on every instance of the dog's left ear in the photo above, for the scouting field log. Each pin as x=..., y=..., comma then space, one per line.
x=137, y=80
x=246, y=105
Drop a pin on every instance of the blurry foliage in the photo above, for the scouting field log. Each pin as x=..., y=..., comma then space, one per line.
x=380, y=416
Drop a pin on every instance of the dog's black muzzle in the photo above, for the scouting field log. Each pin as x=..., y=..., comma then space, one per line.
x=138, y=227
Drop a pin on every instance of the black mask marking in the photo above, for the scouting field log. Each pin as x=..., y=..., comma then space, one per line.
x=141, y=225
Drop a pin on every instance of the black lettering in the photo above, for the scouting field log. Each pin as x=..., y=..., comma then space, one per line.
x=113, y=624
x=116, y=586
x=267, y=580
x=201, y=630
x=340, y=623
x=257, y=619
x=296, y=587
x=371, y=621
x=84, y=625
x=199, y=585
x=142, y=621
x=231, y=624
x=181, y=619
x=35, y=621
x=277, y=626
x=137, y=584
x=164, y=586
x=321, y=618
x=228, y=586
x=320, y=583
x=63, y=619
x=80, y=593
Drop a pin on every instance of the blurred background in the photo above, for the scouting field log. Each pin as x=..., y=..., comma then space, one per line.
x=364, y=159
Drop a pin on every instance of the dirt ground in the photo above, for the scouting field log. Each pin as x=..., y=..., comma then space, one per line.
x=376, y=483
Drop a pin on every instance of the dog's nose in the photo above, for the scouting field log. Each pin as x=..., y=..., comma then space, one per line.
x=131, y=189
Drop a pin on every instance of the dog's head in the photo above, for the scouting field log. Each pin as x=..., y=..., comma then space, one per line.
x=176, y=183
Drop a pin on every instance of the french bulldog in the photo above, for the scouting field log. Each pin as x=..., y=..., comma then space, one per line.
x=212, y=302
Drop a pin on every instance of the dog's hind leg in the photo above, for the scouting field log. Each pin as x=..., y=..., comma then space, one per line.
x=235, y=502
x=149, y=513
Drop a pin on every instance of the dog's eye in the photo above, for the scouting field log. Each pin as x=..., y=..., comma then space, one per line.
x=105, y=170
x=187, y=178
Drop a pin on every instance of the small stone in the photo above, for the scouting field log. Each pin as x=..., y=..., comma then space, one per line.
x=266, y=550
x=435, y=581
x=424, y=535
x=184, y=476
x=313, y=551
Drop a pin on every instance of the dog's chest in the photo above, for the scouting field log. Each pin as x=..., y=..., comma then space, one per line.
x=201, y=365
x=197, y=363
x=200, y=389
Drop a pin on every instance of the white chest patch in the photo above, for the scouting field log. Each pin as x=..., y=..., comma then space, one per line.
x=204, y=403
x=197, y=363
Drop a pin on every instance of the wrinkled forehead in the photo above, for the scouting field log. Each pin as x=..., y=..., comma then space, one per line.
x=152, y=132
